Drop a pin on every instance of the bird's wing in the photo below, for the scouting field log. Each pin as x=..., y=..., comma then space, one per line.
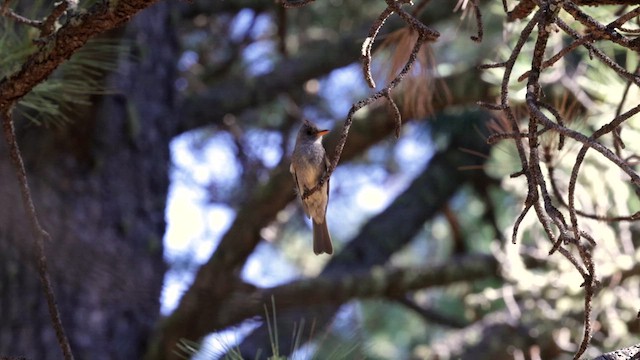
x=326, y=168
x=298, y=189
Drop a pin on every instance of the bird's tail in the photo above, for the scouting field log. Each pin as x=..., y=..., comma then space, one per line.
x=321, y=238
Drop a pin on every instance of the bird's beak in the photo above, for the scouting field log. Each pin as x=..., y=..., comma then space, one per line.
x=322, y=132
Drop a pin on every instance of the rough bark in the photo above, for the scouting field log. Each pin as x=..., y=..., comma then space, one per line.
x=100, y=186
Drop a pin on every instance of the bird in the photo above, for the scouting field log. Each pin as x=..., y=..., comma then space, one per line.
x=308, y=163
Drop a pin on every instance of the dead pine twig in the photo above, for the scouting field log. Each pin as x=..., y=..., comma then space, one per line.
x=394, y=111
x=563, y=233
x=39, y=234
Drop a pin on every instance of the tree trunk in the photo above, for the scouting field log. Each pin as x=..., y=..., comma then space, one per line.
x=99, y=186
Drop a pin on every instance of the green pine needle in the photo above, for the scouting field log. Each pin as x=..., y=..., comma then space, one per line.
x=70, y=86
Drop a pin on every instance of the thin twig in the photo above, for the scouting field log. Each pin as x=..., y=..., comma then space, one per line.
x=480, y=28
x=618, y=144
x=395, y=112
x=624, y=18
x=549, y=62
x=5, y=11
x=295, y=3
x=368, y=44
x=611, y=126
x=492, y=66
x=521, y=10
x=610, y=63
x=40, y=235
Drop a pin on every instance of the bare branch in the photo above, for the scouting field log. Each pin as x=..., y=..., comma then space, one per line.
x=39, y=234
x=480, y=27
x=540, y=192
x=5, y=11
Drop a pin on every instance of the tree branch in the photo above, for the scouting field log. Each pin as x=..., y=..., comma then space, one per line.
x=78, y=29
x=213, y=283
x=494, y=337
x=430, y=314
x=491, y=337
x=377, y=282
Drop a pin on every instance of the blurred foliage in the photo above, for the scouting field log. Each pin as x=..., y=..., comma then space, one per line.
x=233, y=156
x=221, y=44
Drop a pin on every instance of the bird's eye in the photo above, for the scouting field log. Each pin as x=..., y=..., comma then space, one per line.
x=309, y=132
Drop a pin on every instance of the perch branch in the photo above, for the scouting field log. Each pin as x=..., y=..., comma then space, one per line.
x=424, y=34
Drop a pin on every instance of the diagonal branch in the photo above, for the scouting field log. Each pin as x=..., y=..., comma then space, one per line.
x=78, y=29
x=377, y=282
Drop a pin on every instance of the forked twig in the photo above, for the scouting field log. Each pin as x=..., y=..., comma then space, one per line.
x=424, y=34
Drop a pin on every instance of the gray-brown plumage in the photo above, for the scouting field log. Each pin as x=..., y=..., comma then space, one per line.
x=308, y=163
